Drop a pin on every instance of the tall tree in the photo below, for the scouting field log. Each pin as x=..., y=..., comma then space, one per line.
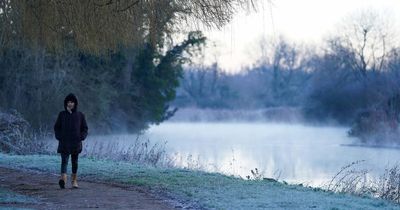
x=370, y=36
x=100, y=25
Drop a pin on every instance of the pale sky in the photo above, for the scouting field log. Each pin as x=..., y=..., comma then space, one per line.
x=306, y=21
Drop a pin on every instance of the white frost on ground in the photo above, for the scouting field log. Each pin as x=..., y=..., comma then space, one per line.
x=208, y=190
x=7, y=196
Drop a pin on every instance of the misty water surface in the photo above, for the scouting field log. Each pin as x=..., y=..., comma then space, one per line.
x=294, y=153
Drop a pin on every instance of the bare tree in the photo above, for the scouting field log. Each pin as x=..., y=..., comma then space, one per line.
x=370, y=36
x=284, y=59
x=100, y=25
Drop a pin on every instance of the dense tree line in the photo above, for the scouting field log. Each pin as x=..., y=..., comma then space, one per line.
x=352, y=79
x=254, y=88
x=278, y=79
x=118, y=56
x=114, y=93
x=327, y=85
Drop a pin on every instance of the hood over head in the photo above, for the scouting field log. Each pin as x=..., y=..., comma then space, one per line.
x=71, y=97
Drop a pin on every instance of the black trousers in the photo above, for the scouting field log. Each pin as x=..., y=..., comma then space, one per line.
x=64, y=162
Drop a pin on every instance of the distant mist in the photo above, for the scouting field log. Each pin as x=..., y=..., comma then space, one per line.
x=276, y=114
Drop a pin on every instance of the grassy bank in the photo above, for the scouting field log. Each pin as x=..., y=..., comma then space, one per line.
x=207, y=190
x=7, y=196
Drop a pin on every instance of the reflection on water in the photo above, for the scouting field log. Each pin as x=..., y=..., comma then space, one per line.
x=294, y=153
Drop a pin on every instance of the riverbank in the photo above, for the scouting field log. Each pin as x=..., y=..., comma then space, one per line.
x=195, y=189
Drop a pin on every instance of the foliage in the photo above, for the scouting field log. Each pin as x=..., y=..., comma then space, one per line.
x=118, y=92
x=379, y=126
x=102, y=25
x=117, y=56
x=16, y=137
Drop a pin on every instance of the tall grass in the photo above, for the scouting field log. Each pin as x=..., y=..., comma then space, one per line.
x=355, y=180
x=17, y=137
x=389, y=184
x=141, y=151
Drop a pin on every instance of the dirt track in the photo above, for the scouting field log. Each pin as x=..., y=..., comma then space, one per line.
x=44, y=187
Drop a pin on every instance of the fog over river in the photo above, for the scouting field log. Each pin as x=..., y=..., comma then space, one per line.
x=295, y=153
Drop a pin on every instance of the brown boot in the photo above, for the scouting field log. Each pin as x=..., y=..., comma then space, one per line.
x=74, y=181
x=63, y=180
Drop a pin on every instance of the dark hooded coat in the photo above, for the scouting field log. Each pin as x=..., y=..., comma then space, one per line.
x=70, y=128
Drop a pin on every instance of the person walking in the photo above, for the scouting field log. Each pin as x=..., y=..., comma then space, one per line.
x=70, y=130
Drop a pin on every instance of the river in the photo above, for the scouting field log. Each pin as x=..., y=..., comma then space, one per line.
x=295, y=153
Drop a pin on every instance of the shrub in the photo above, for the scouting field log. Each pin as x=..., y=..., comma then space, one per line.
x=17, y=137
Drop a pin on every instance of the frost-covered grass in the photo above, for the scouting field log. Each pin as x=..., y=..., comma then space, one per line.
x=7, y=196
x=207, y=190
x=354, y=180
x=139, y=151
